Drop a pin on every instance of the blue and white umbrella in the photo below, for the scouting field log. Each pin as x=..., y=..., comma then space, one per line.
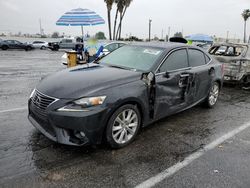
x=80, y=17
x=199, y=38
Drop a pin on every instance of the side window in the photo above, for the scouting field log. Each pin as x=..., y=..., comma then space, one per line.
x=17, y=42
x=11, y=41
x=121, y=44
x=196, y=58
x=176, y=60
x=111, y=47
x=68, y=41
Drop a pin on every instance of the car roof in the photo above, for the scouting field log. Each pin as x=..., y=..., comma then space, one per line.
x=163, y=45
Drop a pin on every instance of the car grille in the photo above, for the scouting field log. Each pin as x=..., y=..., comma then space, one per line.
x=38, y=105
x=41, y=102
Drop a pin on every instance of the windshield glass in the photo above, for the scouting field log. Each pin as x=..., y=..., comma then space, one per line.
x=133, y=57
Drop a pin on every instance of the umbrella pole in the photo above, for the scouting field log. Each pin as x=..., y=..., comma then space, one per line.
x=82, y=31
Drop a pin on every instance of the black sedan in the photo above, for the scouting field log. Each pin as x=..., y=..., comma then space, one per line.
x=14, y=44
x=130, y=88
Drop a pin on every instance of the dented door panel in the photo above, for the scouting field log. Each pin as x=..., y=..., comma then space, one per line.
x=172, y=92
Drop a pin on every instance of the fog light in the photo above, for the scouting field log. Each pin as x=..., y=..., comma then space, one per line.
x=80, y=134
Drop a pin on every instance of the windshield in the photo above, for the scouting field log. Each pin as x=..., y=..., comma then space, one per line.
x=133, y=57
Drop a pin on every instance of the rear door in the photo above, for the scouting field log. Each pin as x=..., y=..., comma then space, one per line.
x=172, y=84
x=202, y=73
x=18, y=45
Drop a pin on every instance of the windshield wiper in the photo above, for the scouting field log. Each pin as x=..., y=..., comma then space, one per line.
x=119, y=67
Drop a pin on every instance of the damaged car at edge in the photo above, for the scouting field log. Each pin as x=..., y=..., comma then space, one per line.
x=236, y=60
x=130, y=88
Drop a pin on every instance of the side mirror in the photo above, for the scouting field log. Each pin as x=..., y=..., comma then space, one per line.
x=167, y=74
x=148, y=78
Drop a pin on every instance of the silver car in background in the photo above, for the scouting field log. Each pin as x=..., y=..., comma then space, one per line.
x=40, y=44
x=236, y=60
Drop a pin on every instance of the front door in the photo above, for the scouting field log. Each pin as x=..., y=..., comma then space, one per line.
x=173, y=84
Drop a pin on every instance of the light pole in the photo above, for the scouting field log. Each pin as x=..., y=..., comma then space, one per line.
x=168, y=33
x=227, y=36
x=150, y=21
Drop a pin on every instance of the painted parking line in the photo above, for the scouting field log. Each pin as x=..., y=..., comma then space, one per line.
x=13, y=110
x=178, y=166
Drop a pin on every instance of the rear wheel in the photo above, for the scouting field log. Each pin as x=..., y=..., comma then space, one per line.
x=43, y=48
x=123, y=126
x=28, y=48
x=213, y=95
x=246, y=82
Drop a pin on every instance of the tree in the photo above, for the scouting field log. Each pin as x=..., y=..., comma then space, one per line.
x=100, y=35
x=109, y=4
x=124, y=4
x=178, y=34
x=156, y=38
x=245, y=15
x=119, y=5
x=55, y=34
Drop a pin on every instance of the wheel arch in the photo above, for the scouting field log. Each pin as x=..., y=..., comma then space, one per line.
x=133, y=101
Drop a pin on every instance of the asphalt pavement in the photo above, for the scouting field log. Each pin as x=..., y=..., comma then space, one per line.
x=28, y=159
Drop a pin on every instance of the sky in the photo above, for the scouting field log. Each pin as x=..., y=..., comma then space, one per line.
x=212, y=17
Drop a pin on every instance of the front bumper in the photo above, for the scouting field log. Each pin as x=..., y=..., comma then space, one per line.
x=64, y=127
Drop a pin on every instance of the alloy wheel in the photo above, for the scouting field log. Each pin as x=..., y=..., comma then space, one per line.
x=125, y=126
x=214, y=93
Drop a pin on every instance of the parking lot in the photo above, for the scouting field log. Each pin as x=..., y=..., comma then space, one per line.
x=174, y=152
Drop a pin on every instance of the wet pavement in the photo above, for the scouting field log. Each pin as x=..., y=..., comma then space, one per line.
x=28, y=159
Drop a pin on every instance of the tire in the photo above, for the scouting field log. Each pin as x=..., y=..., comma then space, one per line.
x=43, y=48
x=245, y=84
x=28, y=48
x=213, y=95
x=4, y=47
x=55, y=48
x=123, y=126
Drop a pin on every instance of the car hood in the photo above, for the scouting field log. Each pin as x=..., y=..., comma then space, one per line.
x=83, y=81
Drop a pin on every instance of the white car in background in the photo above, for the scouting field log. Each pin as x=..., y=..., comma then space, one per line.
x=40, y=44
x=107, y=48
x=110, y=47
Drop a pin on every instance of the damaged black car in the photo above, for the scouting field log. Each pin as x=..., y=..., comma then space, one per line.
x=134, y=86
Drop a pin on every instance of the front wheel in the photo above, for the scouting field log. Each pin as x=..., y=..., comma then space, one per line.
x=213, y=95
x=123, y=126
x=4, y=47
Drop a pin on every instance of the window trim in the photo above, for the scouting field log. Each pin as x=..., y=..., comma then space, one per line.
x=169, y=53
x=189, y=67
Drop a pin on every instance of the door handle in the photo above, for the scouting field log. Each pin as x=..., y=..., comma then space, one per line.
x=184, y=75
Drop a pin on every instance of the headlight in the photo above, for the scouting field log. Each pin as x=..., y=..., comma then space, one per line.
x=83, y=103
